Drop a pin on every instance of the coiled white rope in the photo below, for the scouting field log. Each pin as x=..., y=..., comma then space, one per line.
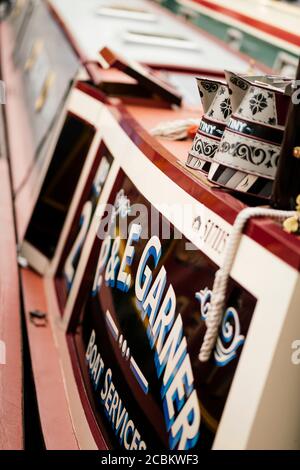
x=174, y=130
x=218, y=296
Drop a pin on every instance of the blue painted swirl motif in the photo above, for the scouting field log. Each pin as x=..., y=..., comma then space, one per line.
x=230, y=338
x=204, y=297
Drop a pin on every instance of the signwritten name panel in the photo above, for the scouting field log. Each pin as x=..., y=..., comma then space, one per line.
x=137, y=327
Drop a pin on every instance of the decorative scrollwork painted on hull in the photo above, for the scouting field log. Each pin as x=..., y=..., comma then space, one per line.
x=230, y=338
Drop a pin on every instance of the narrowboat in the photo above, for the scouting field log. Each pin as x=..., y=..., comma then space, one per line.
x=264, y=29
x=149, y=242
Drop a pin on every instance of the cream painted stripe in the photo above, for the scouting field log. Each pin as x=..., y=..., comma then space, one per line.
x=282, y=7
x=263, y=272
x=84, y=106
x=246, y=28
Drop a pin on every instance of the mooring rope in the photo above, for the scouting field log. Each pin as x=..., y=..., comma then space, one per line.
x=218, y=296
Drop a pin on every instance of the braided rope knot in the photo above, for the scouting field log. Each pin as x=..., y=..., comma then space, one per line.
x=216, y=308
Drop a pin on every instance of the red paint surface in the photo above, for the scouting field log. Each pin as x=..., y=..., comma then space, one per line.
x=53, y=407
x=20, y=141
x=11, y=380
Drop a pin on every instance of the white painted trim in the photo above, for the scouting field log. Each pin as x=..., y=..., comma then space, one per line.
x=34, y=257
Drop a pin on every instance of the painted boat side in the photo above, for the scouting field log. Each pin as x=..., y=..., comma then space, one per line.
x=168, y=157
x=11, y=379
x=281, y=25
